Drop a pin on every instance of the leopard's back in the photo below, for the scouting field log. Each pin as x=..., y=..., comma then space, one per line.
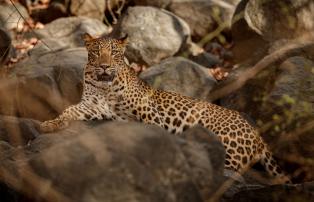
x=176, y=113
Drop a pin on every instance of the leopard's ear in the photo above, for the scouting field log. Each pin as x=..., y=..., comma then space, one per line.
x=87, y=37
x=124, y=40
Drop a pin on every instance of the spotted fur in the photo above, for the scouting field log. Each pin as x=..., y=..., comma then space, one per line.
x=136, y=100
x=96, y=98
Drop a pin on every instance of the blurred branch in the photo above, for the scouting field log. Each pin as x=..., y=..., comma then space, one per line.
x=228, y=183
x=30, y=184
x=21, y=177
x=212, y=35
x=309, y=126
x=221, y=27
x=28, y=24
x=291, y=49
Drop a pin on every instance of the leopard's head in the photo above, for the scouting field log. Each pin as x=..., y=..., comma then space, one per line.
x=105, y=54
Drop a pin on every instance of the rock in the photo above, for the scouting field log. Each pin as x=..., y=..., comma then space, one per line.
x=65, y=8
x=10, y=19
x=219, y=51
x=155, y=3
x=56, y=9
x=89, y=8
x=154, y=34
x=41, y=86
x=206, y=59
x=67, y=33
x=204, y=16
x=236, y=187
x=16, y=131
x=121, y=162
x=300, y=192
x=212, y=144
x=254, y=34
x=280, y=100
x=9, y=194
x=5, y=46
x=6, y=149
x=180, y=75
x=215, y=151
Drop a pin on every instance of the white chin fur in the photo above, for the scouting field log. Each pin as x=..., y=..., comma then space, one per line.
x=126, y=61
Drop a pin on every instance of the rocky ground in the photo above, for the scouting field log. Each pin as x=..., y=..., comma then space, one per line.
x=256, y=57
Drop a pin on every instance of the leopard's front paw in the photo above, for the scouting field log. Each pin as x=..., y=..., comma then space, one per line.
x=51, y=126
x=48, y=127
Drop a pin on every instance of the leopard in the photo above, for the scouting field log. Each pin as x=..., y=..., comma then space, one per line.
x=96, y=98
x=132, y=99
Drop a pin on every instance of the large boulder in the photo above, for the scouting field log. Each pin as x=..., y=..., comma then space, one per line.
x=16, y=131
x=5, y=46
x=280, y=99
x=300, y=192
x=154, y=34
x=65, y=8
x=117, y=162
x=10, y=19
x=89, y=8
x=67, y=33
x=215, y=151
x=180, y=75
x=155, y=3
x=43, y=84
x=259, y=25
x=204, y=17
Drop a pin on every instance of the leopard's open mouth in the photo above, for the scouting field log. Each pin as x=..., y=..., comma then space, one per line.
x=105, y=77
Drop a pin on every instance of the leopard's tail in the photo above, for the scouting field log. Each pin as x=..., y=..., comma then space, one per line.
x=272, y=167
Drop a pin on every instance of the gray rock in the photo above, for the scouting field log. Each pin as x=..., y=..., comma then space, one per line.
x=155, y=3
x=292, y=78
x=202, y=16
x=117, y=162
x=295, y=80
x=67, y=33
x=206, y=59
x=5, y=46
x=215, y=152
x=17, y=131
x=42, y=85
x=8, y=194
x=9, y=17
x=300, y=192
x=180, y=75
x=154, y=34
x=291, y=82
x=280, y=100
x=265, y=22
x=238, y=184
x=6, y=150
x=89, y=8
x=56, y=9
x=120, y=162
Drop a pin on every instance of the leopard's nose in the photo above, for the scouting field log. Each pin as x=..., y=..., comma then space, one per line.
x=103, y=65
